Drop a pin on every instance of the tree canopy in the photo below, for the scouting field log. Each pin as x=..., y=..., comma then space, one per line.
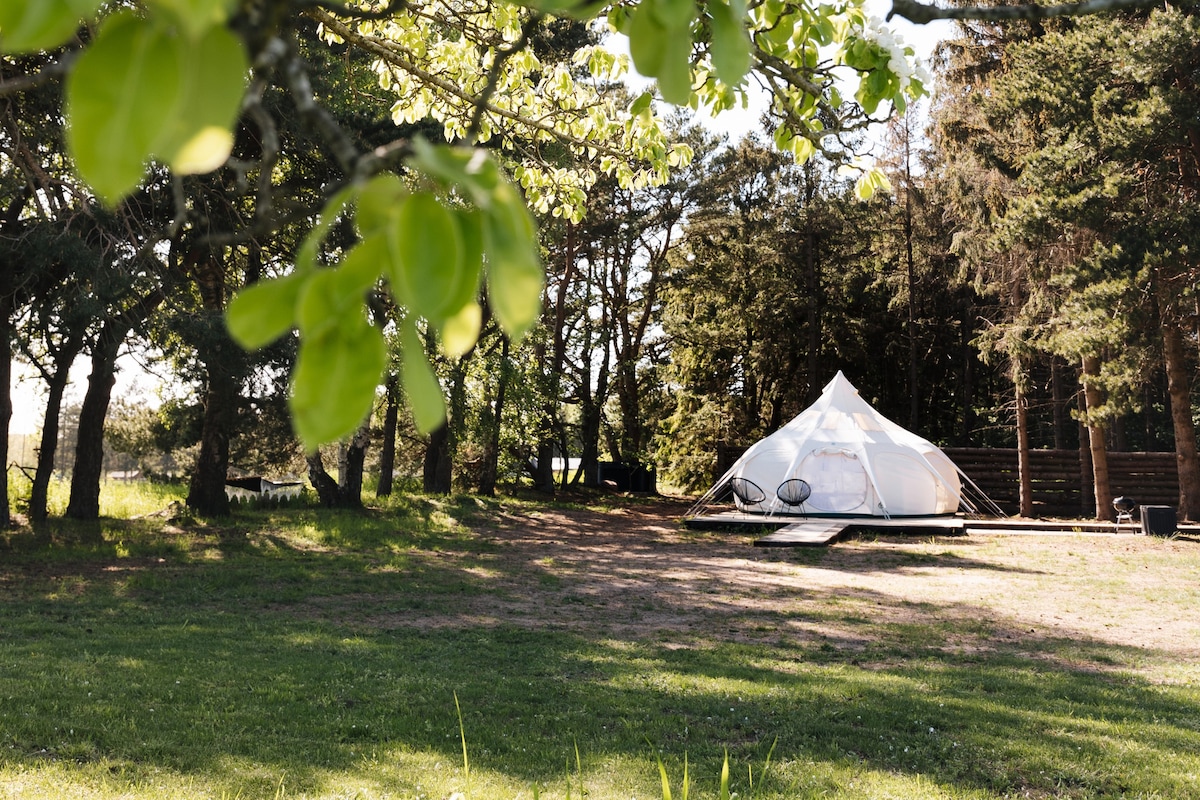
x=167, y=82
x=464, y=202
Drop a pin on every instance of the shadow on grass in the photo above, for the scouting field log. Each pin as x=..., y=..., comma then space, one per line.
x=302, y=653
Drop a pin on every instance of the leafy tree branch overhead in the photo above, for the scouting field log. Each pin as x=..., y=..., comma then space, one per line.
x=171, y=82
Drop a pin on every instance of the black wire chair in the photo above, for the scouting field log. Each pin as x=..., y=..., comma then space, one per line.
x=793, y=492
x=747, y=491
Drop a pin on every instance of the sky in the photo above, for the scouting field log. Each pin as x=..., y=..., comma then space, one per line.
x=133, y=383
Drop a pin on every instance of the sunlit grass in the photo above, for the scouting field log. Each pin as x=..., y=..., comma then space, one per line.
x=282, y=654
x=118, y=499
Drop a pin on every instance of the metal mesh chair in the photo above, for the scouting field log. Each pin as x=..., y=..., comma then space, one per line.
x=747, y=491
x=793, y=492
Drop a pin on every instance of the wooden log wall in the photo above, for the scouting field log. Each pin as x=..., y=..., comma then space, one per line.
x=1061, y=488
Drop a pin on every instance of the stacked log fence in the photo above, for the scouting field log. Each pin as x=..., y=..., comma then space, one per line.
x=1061, y=481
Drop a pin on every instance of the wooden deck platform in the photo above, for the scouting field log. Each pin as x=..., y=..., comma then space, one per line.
x=793, y=531
x=818, y=533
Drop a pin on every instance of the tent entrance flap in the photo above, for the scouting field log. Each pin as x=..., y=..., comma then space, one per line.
x=837, y=479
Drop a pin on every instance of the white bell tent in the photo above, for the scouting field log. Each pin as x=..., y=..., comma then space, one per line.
x=840, y=457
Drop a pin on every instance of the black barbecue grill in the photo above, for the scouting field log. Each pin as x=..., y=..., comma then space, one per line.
x=1124, y=506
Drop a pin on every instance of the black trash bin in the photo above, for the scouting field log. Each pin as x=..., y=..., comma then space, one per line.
x=1158, y=520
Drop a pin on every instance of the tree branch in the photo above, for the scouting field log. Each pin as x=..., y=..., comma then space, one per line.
x=481, y=102
x=316, y=115
x=51, y=72
x=921, y=13
x=391, y=55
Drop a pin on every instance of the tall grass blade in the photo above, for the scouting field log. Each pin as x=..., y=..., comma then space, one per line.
x=662, y=771
x=462, y=735
x=767, y=763
x=724, y=793
x=579, y=768
x=684, y=789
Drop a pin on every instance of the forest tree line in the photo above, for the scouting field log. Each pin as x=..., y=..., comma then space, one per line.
x=1028, y=282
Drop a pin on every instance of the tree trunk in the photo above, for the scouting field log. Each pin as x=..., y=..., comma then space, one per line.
x=6, y=356
x=437, y=473
x=387, y=450
x=812, y=280
x=56, y=374
x=591, y=403
x=1024, y=478
x=543, y=476
x=1179, y=391
x=491, y=452
x=967, y=353
x=352, y=456
x=589, y=433
x=1059, y=404
x=206, y=490
x=1087, y=496
x=322, y=481
x=1095, y=399
x=39, y=493
x=84, y=502
x=220, y=355
x=914, y=369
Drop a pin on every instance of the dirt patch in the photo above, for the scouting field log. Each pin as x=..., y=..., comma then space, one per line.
x=636, y=573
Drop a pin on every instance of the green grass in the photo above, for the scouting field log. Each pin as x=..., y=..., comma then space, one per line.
x=283, y=655
x=118, y=499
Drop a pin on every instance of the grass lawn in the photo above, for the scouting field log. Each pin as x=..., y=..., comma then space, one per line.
x=302, y=653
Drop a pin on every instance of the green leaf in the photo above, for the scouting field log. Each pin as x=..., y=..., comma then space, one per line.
x=642, y=103
x=871, y=181
x=27, y=26
x=319, y=304
x=578, y=9
x=674, y=15
x=730, y=42
x=200, y=136
x=263, y=312
x=471, y=170
x=675, y=75
x=421, y=385
x=195, y=16
x=646, y=36
x=334, y=382
x=120, y=98
x=461, y=331
x=361, y=267
x=514, y=276
x=310, y=248
x=330, y=294
x=378, y=202
x=141, y=91
x=426, y=269
x=470, y=225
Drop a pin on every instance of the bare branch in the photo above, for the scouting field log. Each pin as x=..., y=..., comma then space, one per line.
x=51, y=72
x=316, y=115
x=921, y=13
